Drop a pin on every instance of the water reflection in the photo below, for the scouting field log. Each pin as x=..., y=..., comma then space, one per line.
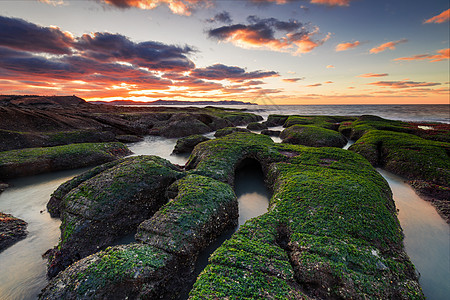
x=23, y=270
x=427, y=238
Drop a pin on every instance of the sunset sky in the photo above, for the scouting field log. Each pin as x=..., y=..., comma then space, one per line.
x=263, y=51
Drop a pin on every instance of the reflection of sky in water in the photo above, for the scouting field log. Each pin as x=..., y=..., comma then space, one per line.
x=427, y=238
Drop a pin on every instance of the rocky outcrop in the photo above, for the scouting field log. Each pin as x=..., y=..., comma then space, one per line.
x=32, y=161
x=312, y=136
x=109, y=203
x=425, y=162
x=331, y=230
x=162, y=267
x=12, y=230
x=187, y=144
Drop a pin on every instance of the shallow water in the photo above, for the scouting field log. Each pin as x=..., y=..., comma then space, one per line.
x=427, y=238
x=23, y=269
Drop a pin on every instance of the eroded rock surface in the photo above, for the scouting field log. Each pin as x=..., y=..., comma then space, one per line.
x=12, y=230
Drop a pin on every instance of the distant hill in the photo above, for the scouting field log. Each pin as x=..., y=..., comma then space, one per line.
x=171, y=102
x=34, y=100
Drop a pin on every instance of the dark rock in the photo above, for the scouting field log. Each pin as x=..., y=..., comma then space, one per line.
x=12, y=230
x=129, y=138
x=312, y=136
x=256, y=126
x=186, y=144
x=271, y=132
x=108, y=205
x=229, y=130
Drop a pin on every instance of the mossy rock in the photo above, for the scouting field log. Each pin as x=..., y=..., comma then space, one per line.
x=356, y=129
x=331, y=230
x=202, y=209
x=275, y=120
x=327, y=122
x=229, y=130
x=128, y=138
x=256, y=126
x=32, y=161
x=135, y=271
x=109, y=204
x=312, y=136
x=187, y=144
x=12, y=229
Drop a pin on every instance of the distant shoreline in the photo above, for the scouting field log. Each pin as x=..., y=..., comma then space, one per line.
x=171, y=102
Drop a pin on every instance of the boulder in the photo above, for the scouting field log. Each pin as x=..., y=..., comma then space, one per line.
x=229, y=130
x=312, y=136
x=271, y=132
x=256, y=126
x=108, y=205
x=187, y=144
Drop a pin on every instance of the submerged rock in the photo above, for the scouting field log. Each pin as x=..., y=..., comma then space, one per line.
x=187, y=144
x=108, y=204
x=312, y=136
x=12, y=230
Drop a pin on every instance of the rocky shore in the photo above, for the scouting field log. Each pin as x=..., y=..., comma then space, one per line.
x=331, y=230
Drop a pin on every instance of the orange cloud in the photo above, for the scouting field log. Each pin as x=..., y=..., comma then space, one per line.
x=347, y=46
x=388, y=45
x=369, y=75
x=332, y=2
x=180, y=7
x=330, y=67
x=403, y=84
x=293, y=79
x=314, y=85
x=443, y=55
x=53, y=2
x=441, y=18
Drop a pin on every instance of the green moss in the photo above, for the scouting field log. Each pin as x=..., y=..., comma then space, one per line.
x=327, y=122
x=31, y=155
x=115, y=265
x=311, y=135
x=406, y=155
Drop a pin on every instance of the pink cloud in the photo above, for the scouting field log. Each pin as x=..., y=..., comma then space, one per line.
x=347, y=46
x=441, y=18
x=369, y=75
x=179, y=7
x=293, y=79
x=388, y=45
x=403, y=84
x=443, y=54
x=330, y=67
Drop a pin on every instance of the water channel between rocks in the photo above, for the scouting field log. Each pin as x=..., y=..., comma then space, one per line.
x=23, y=269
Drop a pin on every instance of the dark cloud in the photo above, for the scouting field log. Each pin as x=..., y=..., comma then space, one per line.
x=261, y=33
x=223, y=17
x=22, y=35
x=221, y=72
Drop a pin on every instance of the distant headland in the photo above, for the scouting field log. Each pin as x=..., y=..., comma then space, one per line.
x=172, y=102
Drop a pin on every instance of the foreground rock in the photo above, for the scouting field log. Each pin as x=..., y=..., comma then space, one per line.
x=12, y=230
x=107, y=203
x=32, y=161
x=163, y=266
x=425, y=162
x=312, y=136
x=331, y=230
x=187, y=144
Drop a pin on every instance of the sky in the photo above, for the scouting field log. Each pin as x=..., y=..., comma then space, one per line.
x=261, y=51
